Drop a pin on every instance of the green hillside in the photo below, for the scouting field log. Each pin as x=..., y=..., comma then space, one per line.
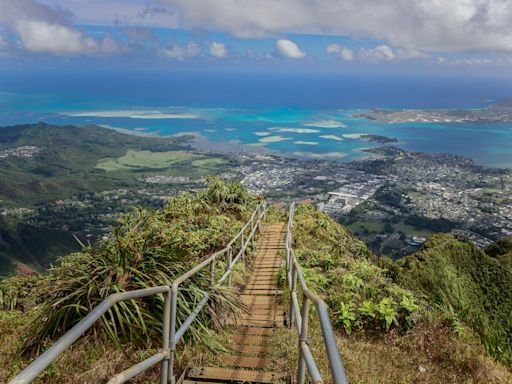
x=66, y=162
x=445, y=309
x=463, y=280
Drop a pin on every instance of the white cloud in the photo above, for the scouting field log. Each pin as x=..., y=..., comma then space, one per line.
x=472, y=61
x=40, y=36
x=289, y=49
x=377, y=54
x=218, y=50
x=423, y=25
x=42, y=29
x=181, y=52
x=380, y=53
x=344, y=53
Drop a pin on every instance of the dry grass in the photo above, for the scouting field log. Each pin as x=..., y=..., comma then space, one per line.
x=429, y=353
x=90, y=360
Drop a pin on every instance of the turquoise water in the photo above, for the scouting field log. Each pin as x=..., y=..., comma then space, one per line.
x=316, y=123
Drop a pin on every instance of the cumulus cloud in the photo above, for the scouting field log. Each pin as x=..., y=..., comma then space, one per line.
x=378, y=54
x=181, y=52
x=288, y=49
x=218, y=50
x=472, y=61
x=424, y=25
x=42, y=29
x=343, y=52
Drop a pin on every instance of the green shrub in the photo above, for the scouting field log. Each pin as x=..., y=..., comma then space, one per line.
x=466, y=284
x=148, y=248
x=18, y=292
x=341, y=268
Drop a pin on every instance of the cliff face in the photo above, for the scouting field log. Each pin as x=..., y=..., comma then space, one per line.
x=460, y=278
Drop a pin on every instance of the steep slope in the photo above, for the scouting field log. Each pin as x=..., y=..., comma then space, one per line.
x=391, y=330
x=459, y=277
x=25, y=248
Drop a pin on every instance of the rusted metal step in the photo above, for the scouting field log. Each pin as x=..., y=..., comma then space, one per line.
x=267, y=274
x=254, y=323
x=261, y=286
x=268, y=292
x=255, y=299
x=263, y=279
x=233, y=374
x=249, y=349
x=251, y=339
x=263, y=307
x=203, y=382
x=254, y=331
x=245, y=361
x=275, y=309
x=268, y=317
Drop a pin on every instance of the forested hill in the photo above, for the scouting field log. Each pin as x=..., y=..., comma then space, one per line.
x=41, y=163
x=473, y=286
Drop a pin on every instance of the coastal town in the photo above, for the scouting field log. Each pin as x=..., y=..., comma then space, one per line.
x=399, y=200
x=394, y=202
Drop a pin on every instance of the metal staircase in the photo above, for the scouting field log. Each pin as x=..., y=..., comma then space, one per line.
x=250, y=342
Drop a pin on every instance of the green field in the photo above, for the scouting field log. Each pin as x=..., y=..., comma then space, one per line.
x=208, y=162
x=371, y=226
x=410, y=230
x=134, y=159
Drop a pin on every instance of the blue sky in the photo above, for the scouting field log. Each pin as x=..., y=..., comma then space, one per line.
x=348, y=36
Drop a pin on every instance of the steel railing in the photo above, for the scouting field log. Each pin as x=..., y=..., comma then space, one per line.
x=300, y=316
x=170, y=335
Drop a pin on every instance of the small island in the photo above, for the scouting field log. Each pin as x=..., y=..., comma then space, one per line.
x=380, y=139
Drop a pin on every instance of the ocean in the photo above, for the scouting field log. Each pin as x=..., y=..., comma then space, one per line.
x=300, y=115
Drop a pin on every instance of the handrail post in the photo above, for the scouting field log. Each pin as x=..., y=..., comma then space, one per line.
x=242, y=245
x=172, y=331
x=212, y=272
x=259, y=217
x=252, y=230
x=303, y=339
x=166, y=326
x=293, y=291
x=228, y=264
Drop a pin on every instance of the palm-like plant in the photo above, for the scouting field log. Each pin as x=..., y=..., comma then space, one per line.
x=149, y=248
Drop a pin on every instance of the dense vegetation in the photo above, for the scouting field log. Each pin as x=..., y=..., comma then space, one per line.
x=149, y=248
x=424, y=319
x=468, y=284
x=340, y=267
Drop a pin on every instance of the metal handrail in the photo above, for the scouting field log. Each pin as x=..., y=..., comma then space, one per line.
x=170, y=336
x=300, y=317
